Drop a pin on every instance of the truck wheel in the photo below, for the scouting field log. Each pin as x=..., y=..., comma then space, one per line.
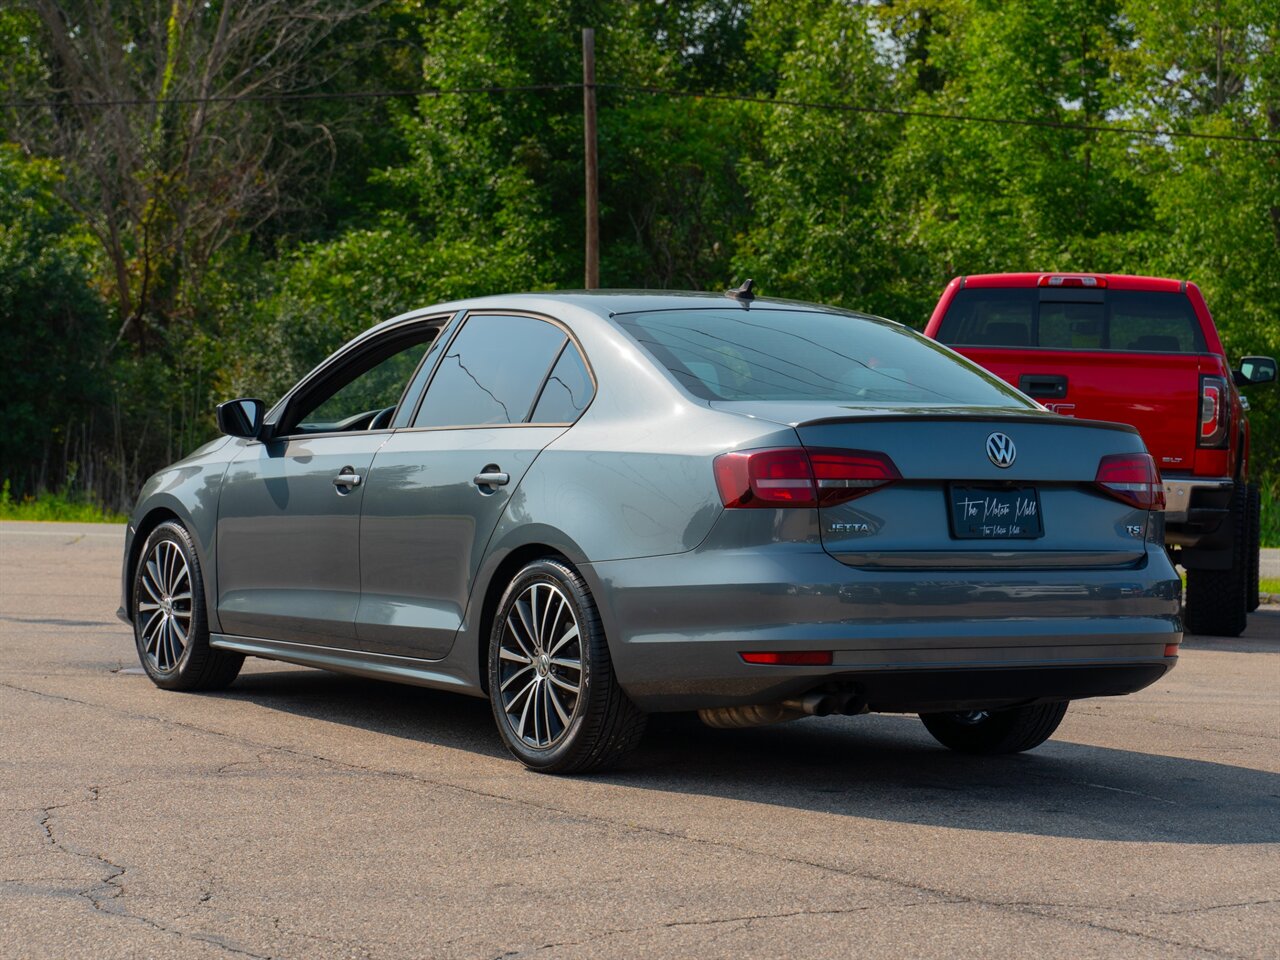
x=997, y=731
x=1217, y=600
x=1255, y=543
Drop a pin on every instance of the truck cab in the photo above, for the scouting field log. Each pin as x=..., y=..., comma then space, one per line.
x=1142, y=351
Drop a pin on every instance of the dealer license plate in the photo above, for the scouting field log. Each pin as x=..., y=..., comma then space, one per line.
x=995, y=513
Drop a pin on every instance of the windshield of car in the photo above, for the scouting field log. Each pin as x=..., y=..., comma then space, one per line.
x=794, y=354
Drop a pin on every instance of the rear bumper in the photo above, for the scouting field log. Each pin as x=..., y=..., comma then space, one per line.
x=907, y=640
x=1198, y=504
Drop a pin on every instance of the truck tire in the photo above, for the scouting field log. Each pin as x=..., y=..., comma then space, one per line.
x=998, y=731
x=1217, y=600
x=1255, y=543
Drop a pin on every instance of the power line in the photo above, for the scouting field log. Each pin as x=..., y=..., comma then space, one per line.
x=300, y=95
x=933, y=115
x=652, y=91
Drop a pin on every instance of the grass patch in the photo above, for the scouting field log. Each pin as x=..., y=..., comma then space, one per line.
x=1269, y=519
x=59, y=505
x=1269, y=585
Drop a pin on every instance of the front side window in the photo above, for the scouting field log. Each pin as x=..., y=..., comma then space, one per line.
x=767, y=354
x=491, y=372
x=365, y=395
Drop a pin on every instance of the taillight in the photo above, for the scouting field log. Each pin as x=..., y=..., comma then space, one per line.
x=1057, y=280
x=1215, y=417
x=796, y=477
x=1133, y=478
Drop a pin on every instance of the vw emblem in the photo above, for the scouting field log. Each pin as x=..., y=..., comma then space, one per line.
x=1000, y=450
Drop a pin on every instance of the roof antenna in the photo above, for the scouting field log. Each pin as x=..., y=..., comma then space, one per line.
x=743, y=294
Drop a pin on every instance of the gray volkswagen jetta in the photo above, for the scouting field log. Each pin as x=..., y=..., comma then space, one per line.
x=590, y=507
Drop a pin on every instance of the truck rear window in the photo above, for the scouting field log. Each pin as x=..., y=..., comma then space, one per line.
x=1125, y=320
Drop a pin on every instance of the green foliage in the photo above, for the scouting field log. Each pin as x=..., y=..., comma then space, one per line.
x=435, y=198
x=1270, y=516
x=52, y=324
x=61, y=505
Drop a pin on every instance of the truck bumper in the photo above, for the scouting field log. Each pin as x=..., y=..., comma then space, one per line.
x=1195, y=508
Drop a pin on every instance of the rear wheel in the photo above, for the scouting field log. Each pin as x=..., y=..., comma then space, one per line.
x=1217, y=601
x=556, y=700
x=170, y=627
x=996, y=731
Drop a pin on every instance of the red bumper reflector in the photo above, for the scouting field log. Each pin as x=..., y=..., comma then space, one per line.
x=1170, y=649
x=792, y=658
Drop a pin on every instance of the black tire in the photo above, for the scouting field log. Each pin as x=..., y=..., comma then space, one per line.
x=603, y=724
x=174, y=661
x=996, y=731
x=1217, y=601
x=1255, y=546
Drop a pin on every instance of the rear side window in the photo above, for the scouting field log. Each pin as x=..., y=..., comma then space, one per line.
x=1126, y=320
x=767, y=354
x=567, y=392
x=491, y=372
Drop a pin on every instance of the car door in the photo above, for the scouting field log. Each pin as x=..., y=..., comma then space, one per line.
x=289, y=514
x=437, y=487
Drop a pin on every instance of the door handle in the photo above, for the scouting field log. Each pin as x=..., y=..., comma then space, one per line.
x=347, y=479
x=1043, y=385
x=491, y=478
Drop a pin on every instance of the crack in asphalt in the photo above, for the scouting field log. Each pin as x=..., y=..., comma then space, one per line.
x=105, y=894
x=711, y=922
x=939, y=895
x=1217, y=906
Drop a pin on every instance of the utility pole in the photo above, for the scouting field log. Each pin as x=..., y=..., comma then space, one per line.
x=589, y=143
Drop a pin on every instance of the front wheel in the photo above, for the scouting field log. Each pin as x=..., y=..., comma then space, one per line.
x=556, y=700
x=170, y=627
x=996, y=731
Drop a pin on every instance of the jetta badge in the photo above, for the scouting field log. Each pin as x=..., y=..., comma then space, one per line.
x=1000, y=450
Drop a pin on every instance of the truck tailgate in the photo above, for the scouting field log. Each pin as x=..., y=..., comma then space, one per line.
x=1157, y=393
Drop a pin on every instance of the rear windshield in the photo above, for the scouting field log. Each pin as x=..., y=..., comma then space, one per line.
x=781, y=354
x=1125, y=320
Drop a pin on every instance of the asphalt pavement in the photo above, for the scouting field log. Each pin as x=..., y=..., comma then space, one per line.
x=305, y=814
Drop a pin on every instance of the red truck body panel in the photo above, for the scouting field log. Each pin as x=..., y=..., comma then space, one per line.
x=1156, y=391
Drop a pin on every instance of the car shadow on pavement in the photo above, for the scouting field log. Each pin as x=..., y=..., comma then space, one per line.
x=889, y=768
x=873, y=767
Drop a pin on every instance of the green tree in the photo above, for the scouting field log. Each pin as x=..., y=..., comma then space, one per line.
x=817, y=230
x=54, y=331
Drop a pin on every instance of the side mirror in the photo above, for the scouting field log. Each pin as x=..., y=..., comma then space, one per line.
x=242, y=417
x=1255, y=370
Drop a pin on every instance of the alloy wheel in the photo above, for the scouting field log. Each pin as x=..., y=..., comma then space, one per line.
x=164, y=606
x=540, y=665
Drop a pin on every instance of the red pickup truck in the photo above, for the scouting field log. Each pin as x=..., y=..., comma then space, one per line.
x=1143, y=351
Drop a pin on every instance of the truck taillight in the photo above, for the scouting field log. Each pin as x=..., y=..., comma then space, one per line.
x=1133, y=478
x=1060, y=280
x=797, y=477
x=1215, y=415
